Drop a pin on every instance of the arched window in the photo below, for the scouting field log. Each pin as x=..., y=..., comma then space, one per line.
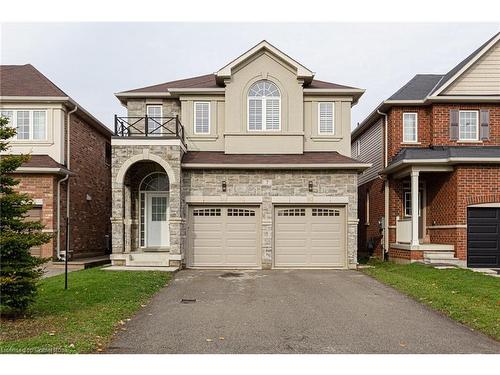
x=155, y=182
x=264, y=104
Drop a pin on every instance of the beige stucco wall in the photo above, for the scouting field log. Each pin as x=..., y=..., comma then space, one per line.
x=263, y=66
x=214, y=141
x=53, y=145
x=229, y=114
x=339, y=141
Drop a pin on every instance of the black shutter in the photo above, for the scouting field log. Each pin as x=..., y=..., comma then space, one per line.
x=454, y=124
x=484, y=124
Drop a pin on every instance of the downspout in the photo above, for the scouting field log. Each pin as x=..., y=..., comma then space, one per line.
x=386, y=190
x=68, y=116
x=58, y=242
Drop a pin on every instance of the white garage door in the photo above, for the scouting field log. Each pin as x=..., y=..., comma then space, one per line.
x=224, y=237
x=311, y=237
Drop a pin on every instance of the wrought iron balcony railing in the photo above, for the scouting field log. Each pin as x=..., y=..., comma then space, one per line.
x=148, y=126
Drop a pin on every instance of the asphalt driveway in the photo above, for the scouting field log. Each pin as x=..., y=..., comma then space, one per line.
x=296, y=311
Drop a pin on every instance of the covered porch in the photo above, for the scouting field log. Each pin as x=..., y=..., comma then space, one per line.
x=422, y=189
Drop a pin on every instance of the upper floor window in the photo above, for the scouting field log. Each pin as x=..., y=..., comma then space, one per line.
x=264, y=104
x=468, y=126
x=201, y=117
x=154, y=118
x=31, y=125
x=409, y=127
x=325, y=118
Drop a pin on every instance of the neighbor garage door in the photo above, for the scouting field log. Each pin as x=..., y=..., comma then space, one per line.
x=224, y=237
x=483, y=237
x=311, y=237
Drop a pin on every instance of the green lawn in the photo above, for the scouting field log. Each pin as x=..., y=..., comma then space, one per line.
x=468, y=297
x=83, y=318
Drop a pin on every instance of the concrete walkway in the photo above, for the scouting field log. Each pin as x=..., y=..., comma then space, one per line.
x=296, y=311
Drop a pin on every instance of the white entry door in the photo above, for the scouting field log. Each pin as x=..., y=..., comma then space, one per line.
x=157, y=220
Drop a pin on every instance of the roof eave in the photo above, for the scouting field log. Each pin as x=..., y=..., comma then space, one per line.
x=349, y=166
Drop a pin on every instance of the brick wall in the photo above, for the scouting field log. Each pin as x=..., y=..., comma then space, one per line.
x=42, y=187
x=433, y=126
x=370, y=229
x=89, y=219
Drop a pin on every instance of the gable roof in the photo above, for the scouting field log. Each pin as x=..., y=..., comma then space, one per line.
x=302, y=71
x=23, y=82
x=215, y=82
x=449, y=77
x=26, y=80
x=423, y=87
x=419, y=87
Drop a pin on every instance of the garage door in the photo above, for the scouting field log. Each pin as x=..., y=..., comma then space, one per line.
x=311, y=237
x=224, y=237
x=483, y=237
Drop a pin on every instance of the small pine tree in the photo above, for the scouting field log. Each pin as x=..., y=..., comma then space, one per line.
x=19, y=270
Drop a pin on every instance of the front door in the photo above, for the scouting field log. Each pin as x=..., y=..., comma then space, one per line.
x=157, y=220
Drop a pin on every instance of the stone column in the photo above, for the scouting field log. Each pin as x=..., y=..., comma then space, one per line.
x=414, y=208
x=117, y=219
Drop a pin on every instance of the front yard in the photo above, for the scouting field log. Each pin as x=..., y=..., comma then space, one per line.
x=466, y=296
x=83, y=318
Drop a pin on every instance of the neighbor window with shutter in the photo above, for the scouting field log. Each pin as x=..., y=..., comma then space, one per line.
x=264, y=105
x=31, y=125
x=325, y=118
x=468, y=125
x=201, y=117
x=410, y=127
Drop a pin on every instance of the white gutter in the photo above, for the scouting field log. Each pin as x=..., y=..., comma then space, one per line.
x=446, y=161
x=386, y=188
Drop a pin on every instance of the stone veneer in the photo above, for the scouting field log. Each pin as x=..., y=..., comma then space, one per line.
x=123, y=160
x=329, y=187
x=273, y=183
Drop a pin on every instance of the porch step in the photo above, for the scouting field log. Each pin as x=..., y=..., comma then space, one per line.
x=442, y=258
x=152, y=259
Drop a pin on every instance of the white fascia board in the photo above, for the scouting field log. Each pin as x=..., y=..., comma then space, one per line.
x=467, y=66
x=44, y=99
x=467, y=98
x=448, y=161
x=142, y=94
x=43, y=170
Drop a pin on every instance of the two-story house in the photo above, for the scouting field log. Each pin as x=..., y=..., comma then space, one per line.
x=433, y=191
x=69, y=173
x=247, y=167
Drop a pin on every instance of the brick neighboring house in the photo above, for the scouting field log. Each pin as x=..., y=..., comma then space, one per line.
x=435, y=149
x=248, y=167
x=43, y=113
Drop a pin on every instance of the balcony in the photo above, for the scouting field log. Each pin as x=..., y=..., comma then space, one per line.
x=146, y=126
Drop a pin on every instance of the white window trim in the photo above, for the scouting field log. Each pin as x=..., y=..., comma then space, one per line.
x=416, y=127
x=161, y=113
x=13, y=123
x=358, y=147
x=209, y=117
x=264, y=109
x=477, y=126
x=333, y=119
x=408, y=192
x=367, y=209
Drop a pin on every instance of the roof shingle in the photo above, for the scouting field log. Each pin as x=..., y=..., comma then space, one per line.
x=26, y=80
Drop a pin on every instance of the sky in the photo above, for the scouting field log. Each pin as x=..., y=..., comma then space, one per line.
x=92, y=61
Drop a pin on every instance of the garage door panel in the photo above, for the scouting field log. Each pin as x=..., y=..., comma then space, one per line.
x=483, y=237
x=230, y=238
x=309, y=237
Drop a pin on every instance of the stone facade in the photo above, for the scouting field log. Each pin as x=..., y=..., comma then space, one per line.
x=271, y=184
x=127, y=169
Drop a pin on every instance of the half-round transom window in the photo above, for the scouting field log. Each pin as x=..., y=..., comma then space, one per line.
x=155, y=182
x=264, y=102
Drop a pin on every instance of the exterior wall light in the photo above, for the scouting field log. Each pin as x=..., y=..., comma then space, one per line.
x=310, y=186
x=224, y=186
